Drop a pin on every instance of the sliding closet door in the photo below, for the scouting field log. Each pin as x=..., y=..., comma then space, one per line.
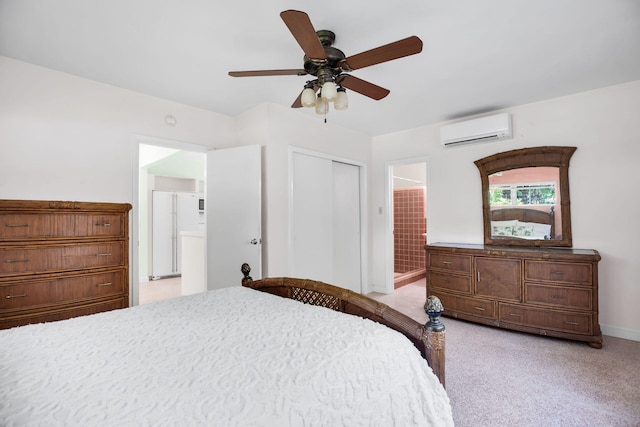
x=326, y=221
x=312, y=218
x=346, y=226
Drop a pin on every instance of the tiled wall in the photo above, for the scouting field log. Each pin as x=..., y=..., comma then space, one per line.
x=410, y=226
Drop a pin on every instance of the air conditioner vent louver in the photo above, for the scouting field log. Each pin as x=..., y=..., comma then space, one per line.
x=483, y=129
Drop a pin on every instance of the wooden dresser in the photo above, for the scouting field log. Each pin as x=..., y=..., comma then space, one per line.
x=62, y=259
x=546, y=291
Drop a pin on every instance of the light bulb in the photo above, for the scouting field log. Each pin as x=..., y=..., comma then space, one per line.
x=322, y=106
x=308, y=98
x=341, y=102
x=329, y=91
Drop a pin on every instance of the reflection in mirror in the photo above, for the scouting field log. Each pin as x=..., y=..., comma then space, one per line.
x=525, y=203
x=525, y=197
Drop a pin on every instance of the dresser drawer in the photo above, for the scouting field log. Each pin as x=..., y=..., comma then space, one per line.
x=25, y=226
x=64, y=313
x=60, y=258
x=573, y=273
x=449, y=282
x=576, y=323
x=463, y=305
x=20, y=226
x=579, y=298
x=27, y=294
x=460, y=263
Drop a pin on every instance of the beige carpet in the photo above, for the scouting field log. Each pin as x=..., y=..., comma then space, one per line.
x=503, y=378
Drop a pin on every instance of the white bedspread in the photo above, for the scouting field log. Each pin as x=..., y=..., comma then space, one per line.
x=233, y=357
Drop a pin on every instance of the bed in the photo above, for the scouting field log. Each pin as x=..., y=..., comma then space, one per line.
x=523, y=223
x=230, y=357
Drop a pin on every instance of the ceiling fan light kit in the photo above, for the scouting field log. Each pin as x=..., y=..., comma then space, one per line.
x=330, y=65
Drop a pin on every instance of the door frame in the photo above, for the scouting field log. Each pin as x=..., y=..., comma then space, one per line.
x=134, y=225
x=388, y=227
x=362, y=168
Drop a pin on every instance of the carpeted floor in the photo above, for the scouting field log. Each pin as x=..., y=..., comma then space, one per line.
x=504, y=378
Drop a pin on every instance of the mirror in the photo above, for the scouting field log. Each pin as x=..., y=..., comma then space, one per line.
x=525, y=197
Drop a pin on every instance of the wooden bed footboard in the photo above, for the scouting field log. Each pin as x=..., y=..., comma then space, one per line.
x=429, y=339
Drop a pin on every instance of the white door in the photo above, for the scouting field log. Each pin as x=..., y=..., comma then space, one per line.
x=234, y=215
x=346, y=226
x=326, y=234
x=312, y=253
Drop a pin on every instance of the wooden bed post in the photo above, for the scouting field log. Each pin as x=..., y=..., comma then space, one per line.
x=435, y=336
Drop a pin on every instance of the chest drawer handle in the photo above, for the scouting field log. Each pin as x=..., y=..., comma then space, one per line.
x=479, y=308
x=103, y=224
x=447, y=262
x=16, y=296
x=106, y=254
x=105, y=284
x=572, y=323
x=515, y=315
x=558, y=272
x=556, y=296
x=16, y=260
x=17, y=225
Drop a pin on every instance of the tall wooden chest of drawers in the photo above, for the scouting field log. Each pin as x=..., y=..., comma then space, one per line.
x=546, y=291
x=62, y=259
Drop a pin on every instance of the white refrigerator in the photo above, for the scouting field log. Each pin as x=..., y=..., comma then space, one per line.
x=172, y=213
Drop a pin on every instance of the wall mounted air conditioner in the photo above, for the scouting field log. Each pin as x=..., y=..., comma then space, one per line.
x=484, y=129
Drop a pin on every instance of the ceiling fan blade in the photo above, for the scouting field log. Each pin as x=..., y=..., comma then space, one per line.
x=401, y=48
x=298, y=102
x=300, y=26
x=296, y=72
x=362, y=87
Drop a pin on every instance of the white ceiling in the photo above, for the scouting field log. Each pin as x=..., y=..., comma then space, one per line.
x=478, y=56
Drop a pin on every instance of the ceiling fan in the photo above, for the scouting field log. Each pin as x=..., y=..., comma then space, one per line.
x=330, y=66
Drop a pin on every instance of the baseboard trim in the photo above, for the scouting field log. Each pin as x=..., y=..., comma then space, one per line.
x=618, y=332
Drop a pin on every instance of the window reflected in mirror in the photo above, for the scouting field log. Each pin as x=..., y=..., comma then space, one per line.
x=531, y=193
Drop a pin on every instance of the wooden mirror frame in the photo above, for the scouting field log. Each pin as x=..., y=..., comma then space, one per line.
x=524, y=158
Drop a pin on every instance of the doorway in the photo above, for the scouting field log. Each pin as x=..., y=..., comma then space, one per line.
x=408, y=182
x=161, y=166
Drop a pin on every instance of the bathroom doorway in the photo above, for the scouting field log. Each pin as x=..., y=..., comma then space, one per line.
x=409, y=201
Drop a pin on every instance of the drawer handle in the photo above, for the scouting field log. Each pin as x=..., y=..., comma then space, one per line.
x=572, y=323
x=16, y=296
x=515, y=315
x=106, y=254
x=17, y=225
x=556, y=296
x=104, y=284
x=103, y=224
x=447, y=262
x=16, y=260
x=479, y=308
x=558, y=272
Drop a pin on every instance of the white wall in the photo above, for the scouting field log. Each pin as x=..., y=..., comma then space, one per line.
x=66, y=138
x=604, y=172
